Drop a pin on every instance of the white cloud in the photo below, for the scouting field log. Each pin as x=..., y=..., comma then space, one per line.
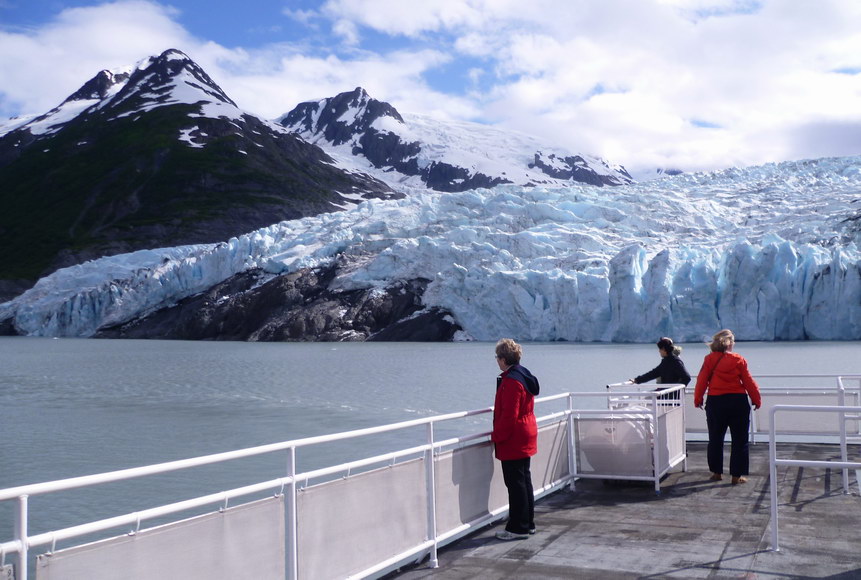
x=306, y=17
x=41, y=68
x=694, y=84
x=347, y=31
x=398, y=17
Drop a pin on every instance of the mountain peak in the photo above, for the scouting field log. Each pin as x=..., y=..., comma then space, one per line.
x=340, y=118
x=435, y=153
x=170, y=78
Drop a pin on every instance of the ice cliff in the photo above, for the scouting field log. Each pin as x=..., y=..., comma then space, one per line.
x=770, y=252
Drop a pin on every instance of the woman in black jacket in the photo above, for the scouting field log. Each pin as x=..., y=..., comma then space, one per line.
x=671, y=370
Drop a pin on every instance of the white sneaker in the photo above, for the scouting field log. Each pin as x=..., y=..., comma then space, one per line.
x=506, y=535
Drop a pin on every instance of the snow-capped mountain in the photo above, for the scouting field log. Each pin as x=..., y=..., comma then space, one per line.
x=149, y=156
x=91, y=93
x=417, y=150
x=770, y=252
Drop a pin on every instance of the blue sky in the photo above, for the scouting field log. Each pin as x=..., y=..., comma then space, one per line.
x=689, y=84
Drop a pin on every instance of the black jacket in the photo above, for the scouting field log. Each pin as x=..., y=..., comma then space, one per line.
x=671, y=370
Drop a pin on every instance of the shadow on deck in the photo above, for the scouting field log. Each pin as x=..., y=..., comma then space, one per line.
x=696, y=528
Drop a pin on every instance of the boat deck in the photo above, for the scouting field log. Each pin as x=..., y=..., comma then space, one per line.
x=696, y=528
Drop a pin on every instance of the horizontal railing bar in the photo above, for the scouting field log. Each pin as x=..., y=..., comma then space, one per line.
x=155, y=469
x=108, y=477
x=811, y=463
x=134, y=517
x=323, y=471
x=456, y=440
x=549, y=398
x=405, y=555
x=814, y=408
x=615, y=476
x=216, y=498
x=805, y=376
x=611, y=412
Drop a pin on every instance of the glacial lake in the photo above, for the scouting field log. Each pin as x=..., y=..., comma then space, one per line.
x=71, y=407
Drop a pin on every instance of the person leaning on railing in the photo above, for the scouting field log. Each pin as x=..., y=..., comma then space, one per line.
x=670, y=371
x=515, y=437
x=726, y=379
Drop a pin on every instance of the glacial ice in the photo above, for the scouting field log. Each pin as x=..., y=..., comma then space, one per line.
x=770, y=252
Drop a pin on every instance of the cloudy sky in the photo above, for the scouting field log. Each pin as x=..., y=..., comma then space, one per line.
x=689, y=84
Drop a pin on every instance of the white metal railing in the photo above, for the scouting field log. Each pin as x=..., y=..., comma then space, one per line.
x=625, y=399
x=287, y=484
x=773, y=461
x=23, y=542
x=785, y=389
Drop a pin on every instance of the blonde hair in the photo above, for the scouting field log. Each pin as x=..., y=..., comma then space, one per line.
x=722, y=341
x=509, y=350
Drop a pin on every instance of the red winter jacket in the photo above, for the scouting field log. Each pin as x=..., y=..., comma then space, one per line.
x=729, y=374
x=515, y=432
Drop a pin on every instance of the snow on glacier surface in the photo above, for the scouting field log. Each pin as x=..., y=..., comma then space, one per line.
x=770, y=252
x=476, y=147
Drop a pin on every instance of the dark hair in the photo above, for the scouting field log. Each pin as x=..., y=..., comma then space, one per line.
x=665, y=343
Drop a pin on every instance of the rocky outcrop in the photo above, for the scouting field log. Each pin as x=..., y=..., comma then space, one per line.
x=295, y=307
x=574, y=168
x=99, y=86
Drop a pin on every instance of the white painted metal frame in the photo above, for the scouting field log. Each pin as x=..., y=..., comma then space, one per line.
x=846, y=394
x=23, y=542
x=618, y=403
x=773, y=461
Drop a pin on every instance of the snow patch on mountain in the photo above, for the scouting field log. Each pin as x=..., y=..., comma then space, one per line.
x=169, y=79
x=771, y=252
x=422, y=151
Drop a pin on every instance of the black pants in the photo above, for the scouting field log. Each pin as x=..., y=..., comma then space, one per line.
x=733, y=412
x=521, y=499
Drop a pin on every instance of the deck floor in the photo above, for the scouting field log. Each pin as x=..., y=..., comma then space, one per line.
x=696, y=528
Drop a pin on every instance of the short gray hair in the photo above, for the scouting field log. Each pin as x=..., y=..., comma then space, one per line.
x=509, y=350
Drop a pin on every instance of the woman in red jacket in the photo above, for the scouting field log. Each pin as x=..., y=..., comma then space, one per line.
x=515, y=436
x=725, y=377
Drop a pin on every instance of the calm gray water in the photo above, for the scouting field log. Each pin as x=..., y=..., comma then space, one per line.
x=74, y=407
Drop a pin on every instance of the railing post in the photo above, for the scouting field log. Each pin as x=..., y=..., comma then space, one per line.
x=656, y=450
x=841, y=417
x=430, y=484
x=292, y=518
x=772, y=467
x=21, y=535
x=572, y=460
x=682, y=400
x=754, y=425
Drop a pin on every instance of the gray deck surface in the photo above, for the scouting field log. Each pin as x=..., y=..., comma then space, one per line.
x=696, y=528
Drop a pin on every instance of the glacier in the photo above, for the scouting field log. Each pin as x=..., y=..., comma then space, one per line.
x=771, y=252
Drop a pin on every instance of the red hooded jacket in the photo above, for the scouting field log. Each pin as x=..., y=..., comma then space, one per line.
x=515, y=431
